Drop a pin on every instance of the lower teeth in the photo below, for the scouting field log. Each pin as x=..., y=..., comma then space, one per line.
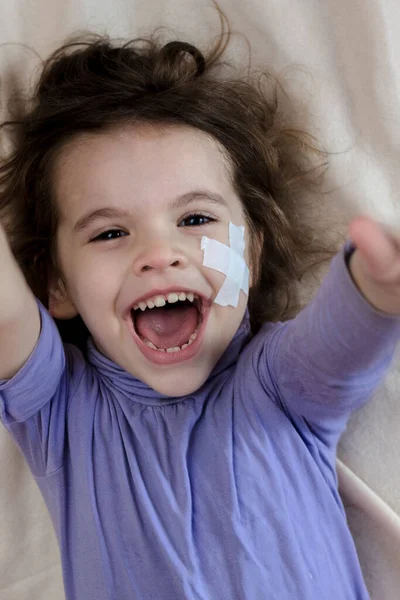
x=175, y=348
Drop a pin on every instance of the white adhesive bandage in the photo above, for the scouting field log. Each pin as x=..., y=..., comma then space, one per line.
x=228, y=260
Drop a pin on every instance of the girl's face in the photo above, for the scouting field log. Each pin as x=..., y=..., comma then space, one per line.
x=134, y=204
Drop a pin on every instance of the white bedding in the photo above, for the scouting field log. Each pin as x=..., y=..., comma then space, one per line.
x=352, y=50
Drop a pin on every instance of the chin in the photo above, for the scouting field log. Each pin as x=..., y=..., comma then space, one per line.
x=178, y=385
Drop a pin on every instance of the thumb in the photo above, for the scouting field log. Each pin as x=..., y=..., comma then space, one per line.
x=379, y=251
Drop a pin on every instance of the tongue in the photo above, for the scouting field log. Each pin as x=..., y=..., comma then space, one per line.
x=167, y=327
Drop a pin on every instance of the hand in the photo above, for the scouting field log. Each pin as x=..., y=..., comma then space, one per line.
x=375, y=265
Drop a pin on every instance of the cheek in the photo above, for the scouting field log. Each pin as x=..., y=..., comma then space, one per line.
x=214, y=258
x=99, y=282
x=92, y=284
x=227, y=293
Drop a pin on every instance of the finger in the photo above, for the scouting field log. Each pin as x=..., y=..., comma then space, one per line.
x=377, y=247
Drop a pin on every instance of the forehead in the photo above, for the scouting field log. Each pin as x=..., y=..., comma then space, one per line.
x=146, y=165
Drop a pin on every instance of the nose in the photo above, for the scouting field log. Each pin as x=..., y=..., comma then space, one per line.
x=159, y=255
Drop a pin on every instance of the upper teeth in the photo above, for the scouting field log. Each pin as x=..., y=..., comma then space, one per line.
x=162, y=300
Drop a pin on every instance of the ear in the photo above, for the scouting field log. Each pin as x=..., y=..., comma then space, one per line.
x=60, y=304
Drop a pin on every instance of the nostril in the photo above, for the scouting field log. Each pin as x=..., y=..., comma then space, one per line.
x=159, y=261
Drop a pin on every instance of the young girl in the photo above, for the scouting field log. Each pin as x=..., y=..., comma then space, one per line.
x=185, y=449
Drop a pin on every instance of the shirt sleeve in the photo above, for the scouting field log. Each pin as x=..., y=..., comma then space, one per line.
x=33, y=403
x=325, y=363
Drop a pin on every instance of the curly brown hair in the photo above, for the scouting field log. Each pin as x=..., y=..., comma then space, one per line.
x=94, y=84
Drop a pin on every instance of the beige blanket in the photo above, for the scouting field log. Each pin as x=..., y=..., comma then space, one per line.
x=352, y=50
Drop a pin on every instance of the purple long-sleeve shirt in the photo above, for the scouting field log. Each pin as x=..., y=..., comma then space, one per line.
x=229, y=493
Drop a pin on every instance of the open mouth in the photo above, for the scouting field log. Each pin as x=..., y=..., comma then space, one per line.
x=168, y=323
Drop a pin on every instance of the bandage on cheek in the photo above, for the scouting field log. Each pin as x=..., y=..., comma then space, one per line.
x=228, y=260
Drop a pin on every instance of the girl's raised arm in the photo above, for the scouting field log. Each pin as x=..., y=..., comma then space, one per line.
x=19, y=314
x=326, y=362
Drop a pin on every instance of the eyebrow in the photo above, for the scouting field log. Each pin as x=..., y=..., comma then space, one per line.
x=180, y=202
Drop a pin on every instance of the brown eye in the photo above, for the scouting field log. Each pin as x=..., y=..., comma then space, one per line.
x=110, y=234
x=195, y=220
